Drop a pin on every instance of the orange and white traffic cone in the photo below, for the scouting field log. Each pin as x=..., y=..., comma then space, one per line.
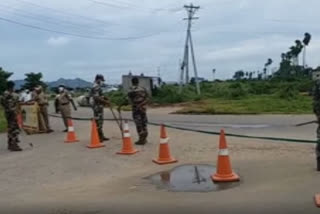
x=317, y=200
x=71, y=135
x=224, y=172
x=95, y=141
x=127, y=147
x=164, y=151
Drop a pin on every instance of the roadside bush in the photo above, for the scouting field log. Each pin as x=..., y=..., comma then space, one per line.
x=261, y=87
x=236, y=91
x=288, y=91
x=117, y=97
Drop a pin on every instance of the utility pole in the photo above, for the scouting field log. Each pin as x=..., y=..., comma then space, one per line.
x=184, y=72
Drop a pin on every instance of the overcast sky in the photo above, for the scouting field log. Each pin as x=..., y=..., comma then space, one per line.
x=230, y=35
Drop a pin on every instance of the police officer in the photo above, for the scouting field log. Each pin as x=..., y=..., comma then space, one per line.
x=62, y=105
x=316, y=110
x=138, y=97
x=99, y=101
x=41, y=98
x=10, y=101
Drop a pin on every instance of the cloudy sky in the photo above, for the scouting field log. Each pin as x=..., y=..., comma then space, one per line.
x=80, y=38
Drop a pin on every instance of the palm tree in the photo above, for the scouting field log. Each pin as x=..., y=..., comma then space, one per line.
x=306, y=41
x=295, y=51
x=266, y=67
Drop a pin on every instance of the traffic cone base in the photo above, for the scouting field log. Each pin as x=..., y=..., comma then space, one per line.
x=225, y=178
x=96, y=146
x=132, y=152
x=317, y=200
x=127, y=146
x=165, y=161
x=95, y=141
x=71, y=135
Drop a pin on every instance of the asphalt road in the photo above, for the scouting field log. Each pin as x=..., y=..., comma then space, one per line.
x=57, y=178
x=282, y=126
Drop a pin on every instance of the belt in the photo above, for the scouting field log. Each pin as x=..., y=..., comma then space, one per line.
x=63, y=104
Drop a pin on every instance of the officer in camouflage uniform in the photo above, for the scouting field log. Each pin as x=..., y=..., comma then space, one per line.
x=41, y=98
x=99, y=101
x=316, y=110
x=10, y=101
x=138, y=97
x=62, y=105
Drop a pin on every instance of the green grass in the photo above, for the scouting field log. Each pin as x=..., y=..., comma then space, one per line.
x=253, y=104
x=3, y=122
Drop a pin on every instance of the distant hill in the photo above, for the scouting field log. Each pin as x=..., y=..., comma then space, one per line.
x=19, y=84
x=69, y=83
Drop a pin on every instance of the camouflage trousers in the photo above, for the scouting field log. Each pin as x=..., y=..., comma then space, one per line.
x=140, y=119
x=13, y=129
x=98, y=116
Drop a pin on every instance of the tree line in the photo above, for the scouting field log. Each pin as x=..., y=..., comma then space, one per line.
x=289, y=65
x=32, y=80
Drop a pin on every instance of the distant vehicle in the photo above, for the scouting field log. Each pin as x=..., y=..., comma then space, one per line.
x=83, y=101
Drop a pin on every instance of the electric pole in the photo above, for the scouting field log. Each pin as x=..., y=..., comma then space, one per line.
x=184, y=72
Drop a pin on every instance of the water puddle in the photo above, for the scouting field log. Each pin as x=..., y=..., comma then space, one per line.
x=189, y=178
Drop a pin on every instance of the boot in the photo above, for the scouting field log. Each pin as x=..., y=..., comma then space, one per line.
x=14, y=148
x=141, y=142
x=105, y=139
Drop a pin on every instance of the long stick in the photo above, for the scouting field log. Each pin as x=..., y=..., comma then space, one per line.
x=117, y=121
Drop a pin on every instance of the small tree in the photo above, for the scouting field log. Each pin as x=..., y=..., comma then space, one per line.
x=4, y=76
x=33, y=80
x=238, y=75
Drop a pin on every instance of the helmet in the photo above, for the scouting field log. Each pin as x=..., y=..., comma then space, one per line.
x=99, y=77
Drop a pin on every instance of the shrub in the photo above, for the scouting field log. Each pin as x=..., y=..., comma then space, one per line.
x=237, y=90
x=288, y=91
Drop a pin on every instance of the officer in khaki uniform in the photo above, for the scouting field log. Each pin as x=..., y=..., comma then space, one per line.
x=62, y=105
x=41, y=98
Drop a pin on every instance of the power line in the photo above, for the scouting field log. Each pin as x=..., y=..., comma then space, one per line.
x=76, y=34
x=148, y=10
x=45, y=19
x=64, y=12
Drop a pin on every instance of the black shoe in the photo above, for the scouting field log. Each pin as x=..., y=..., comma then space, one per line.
x=105, y=139
x=141, y=142
x=66, y=130
x=14, y=148
x=49, y=131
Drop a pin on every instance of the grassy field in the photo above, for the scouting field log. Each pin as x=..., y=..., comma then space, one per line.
x=258, y=104
x=3, y=123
